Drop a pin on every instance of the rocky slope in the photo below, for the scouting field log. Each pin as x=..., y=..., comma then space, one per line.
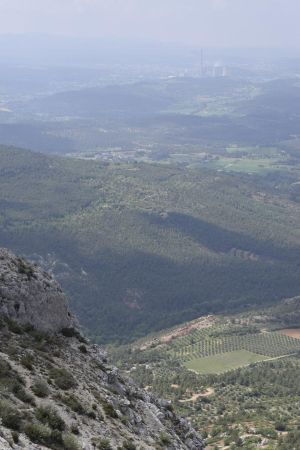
x=59, y=392
x=29, y=295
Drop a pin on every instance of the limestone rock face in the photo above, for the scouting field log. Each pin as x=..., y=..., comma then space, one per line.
x=92, y=401
x=30, y=296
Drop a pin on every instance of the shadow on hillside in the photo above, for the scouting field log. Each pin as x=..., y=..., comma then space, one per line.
x=168, y=292
x=219, y=239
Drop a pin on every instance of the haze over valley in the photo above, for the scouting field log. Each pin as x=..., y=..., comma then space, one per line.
x=150, y=162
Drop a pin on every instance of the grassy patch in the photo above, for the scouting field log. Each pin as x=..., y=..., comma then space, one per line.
x=248, y=165
x=223, y=362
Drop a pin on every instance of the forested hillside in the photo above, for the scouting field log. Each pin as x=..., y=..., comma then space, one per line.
x=140, y=247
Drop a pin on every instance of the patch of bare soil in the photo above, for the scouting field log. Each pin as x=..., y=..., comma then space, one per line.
x=291, y=332
x=194, y=397
x=184, y=330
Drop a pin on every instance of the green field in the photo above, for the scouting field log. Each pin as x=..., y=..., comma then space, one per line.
x=248, y=165
x=223, y=362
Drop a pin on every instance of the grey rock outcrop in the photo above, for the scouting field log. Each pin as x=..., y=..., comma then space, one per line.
x=30, y=296
x=106, y=409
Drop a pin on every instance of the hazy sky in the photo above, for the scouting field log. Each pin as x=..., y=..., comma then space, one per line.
x=200, y=22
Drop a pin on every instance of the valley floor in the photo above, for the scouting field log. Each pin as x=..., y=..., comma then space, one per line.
x=236, y=377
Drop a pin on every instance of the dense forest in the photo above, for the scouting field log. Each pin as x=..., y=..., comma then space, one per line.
x=140, y=247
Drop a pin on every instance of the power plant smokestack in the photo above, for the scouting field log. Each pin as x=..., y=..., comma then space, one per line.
x=202, y=64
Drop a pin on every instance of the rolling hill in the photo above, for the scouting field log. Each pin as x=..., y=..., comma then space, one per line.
x=141, y=247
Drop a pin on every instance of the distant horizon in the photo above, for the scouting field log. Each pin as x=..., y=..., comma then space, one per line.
x=133, y=43
x=200, y=23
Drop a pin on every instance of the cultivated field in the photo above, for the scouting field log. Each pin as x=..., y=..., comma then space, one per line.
x=217, y=349
x=223, y=362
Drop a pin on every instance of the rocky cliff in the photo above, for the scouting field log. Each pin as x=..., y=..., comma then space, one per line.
x=29, y=295
x=59, y=392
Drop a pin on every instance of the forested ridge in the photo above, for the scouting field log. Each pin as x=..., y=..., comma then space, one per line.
x=140, y=247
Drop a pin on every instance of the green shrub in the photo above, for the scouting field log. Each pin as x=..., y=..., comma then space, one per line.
x=27, y=361
x=227, y=440
x=15, y=436
x=73, y=403
x=49, y=416
x=72, y=332
x=70, y=442
x=19, y=391
x=74, y=428
x=5, y=368
x=281, y=426
x=82, y=348
x=25, y=268
x=165, y=439
x=8, y=377
x=4, y=407
x=109, y=409
x=40, y=336
x=69, y=332
x=38, y=433
x=12, y=419
x=63, y=379
x=91, y=415
x=40, y=389
x=267, y=432
x=56, y=439
x=12, y=350
x=129, y=445
x=103, y=444
x=14, y=327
